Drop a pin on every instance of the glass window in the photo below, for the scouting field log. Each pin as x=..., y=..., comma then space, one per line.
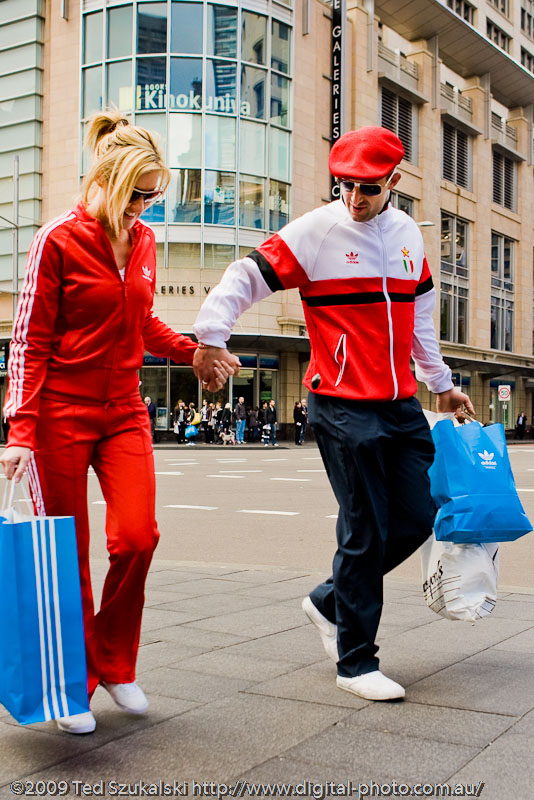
x=251, y=202
x=279, y=100
x=278, y=205
x=186, y=28
x=220, y=86
x=119, y=82
x=120, y=31
x=402, y=202
x=279, y=154
x=155, y=123
x=445, y=327
x=184, y=386
x=218, y=256
x=151, y=84
x=155, y=213
x=253, y=92
x=92, y=90
x=454, y=245
x=92, y=37
x=185, y=140
x=184, y=196
x=253, y=37
x=222, y=31
x=252, y=147
x=219, y=198
x=184, y=254
x=220, y=143
x=186, y=84
x=152, y=27
x=280, y=50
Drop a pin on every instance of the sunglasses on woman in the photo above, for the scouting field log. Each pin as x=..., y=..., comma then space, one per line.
x=148, y=197
x=367, y=189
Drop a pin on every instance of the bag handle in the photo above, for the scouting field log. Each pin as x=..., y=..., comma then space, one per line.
x=9, y=493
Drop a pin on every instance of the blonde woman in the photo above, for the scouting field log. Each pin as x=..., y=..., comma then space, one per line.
x=83, y=322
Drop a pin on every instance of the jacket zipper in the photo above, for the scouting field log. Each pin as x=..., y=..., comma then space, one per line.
x=388, y=307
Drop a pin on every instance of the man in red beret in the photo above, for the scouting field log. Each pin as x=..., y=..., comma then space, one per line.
x=368, y=299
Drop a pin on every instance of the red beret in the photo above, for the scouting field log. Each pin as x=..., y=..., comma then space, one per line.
x=367, y=154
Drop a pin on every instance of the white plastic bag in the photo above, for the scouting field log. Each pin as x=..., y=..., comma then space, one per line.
x=460, y=580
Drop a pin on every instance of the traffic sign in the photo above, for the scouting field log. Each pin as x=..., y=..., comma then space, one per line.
x=505, y=392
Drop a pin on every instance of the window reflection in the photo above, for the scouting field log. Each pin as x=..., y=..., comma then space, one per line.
x=222, y=31
x=219, y=198
x=151, y=88
x=278, y=205
x=253, y=37
x=220, y=86
x=185, y=140
x=279, y=100
x=220, y=143
x=253, y=92
x=218, y=256
x=186, y=84
x=280, y=51
x=155, y=123
x=152, y=27
x=92, y=90
x=92, y=50
x=252, y=147
x=184, y=196
x=120, y=32
x=186, y=28
x=279, y=154
x=155, y=213
x=251, y=202
x=184, y=254
x=119, y=85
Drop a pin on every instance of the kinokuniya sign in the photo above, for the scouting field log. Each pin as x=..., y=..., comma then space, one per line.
x=154, y=96
x=337, y=118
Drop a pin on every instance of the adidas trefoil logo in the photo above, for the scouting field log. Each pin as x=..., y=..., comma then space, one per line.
x=146, y=273
x=487, y=459
x=352, y=258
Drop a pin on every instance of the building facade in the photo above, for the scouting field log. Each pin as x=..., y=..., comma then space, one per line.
x=240, y=92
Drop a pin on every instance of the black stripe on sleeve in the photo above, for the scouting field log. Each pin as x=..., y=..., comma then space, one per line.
x=267, y=272
x=424, y=287
x=356, y=298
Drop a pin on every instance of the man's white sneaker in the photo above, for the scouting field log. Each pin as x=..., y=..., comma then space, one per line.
x=327, y=630
x=128, y=696
x=372, y=686
x=77, y=723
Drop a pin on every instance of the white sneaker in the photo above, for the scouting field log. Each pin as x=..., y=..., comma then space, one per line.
x=77, y=723
x=128, y=696
x=372, y=686
x=327, y=630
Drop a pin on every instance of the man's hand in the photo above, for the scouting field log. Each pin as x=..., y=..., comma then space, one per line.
x=14, y=461
x=457, y=402
x=214, y=365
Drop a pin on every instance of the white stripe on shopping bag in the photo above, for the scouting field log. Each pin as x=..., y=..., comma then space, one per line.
x=46, y=593
x=59, y=640
x=36, y=561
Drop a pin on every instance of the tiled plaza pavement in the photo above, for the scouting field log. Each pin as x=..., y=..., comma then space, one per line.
x=241, y=690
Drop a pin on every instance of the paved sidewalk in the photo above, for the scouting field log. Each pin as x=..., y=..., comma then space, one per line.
x=241, y=690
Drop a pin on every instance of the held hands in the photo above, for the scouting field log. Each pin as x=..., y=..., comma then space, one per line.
x=457, y=402
x=214, y=365
x=14, y=461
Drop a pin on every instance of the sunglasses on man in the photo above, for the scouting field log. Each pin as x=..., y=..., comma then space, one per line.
x=148, y=197
x=367, y=189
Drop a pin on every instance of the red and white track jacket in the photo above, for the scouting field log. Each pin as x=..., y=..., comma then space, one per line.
x=367, y=294
x=80, y=330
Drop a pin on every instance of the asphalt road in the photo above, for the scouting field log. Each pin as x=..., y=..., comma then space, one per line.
x=274, y=507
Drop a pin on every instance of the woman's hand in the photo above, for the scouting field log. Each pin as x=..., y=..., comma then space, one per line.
x=14, y=461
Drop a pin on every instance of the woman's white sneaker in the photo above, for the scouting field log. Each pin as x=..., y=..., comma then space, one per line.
x=77, y=723
x=128, y=696
x=372, y=686
x=327, y=630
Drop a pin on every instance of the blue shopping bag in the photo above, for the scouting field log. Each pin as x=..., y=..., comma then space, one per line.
x=473, y=486
x=191, y=431
x=43, y=671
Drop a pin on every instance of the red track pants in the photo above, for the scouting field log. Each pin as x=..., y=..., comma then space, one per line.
x=116, y=441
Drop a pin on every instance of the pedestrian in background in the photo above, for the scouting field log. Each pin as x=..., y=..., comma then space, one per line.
x=304, y=407
x=271, y=418
x=83, y=322
x=298, y=418
x=253, y=424
x=240, y=413
x=151, y=408
x=520, y=425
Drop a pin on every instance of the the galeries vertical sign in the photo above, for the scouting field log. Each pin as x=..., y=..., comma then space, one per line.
x=339, y=30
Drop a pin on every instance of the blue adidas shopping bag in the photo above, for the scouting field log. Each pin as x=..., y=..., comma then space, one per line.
x=42, y=652
x=473, y=486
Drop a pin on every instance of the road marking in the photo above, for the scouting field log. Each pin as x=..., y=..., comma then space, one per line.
x=331, y=516
x=169, y=473
x=232, y=460
x=311, y=470
x=259, y=511
x=182, y=463
x=312, y=458
x=240, y=470
x=275, y=459
x=225, y=476
x=199, y=508
x=525, y=490
x=99, y=502
x=301, y=480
